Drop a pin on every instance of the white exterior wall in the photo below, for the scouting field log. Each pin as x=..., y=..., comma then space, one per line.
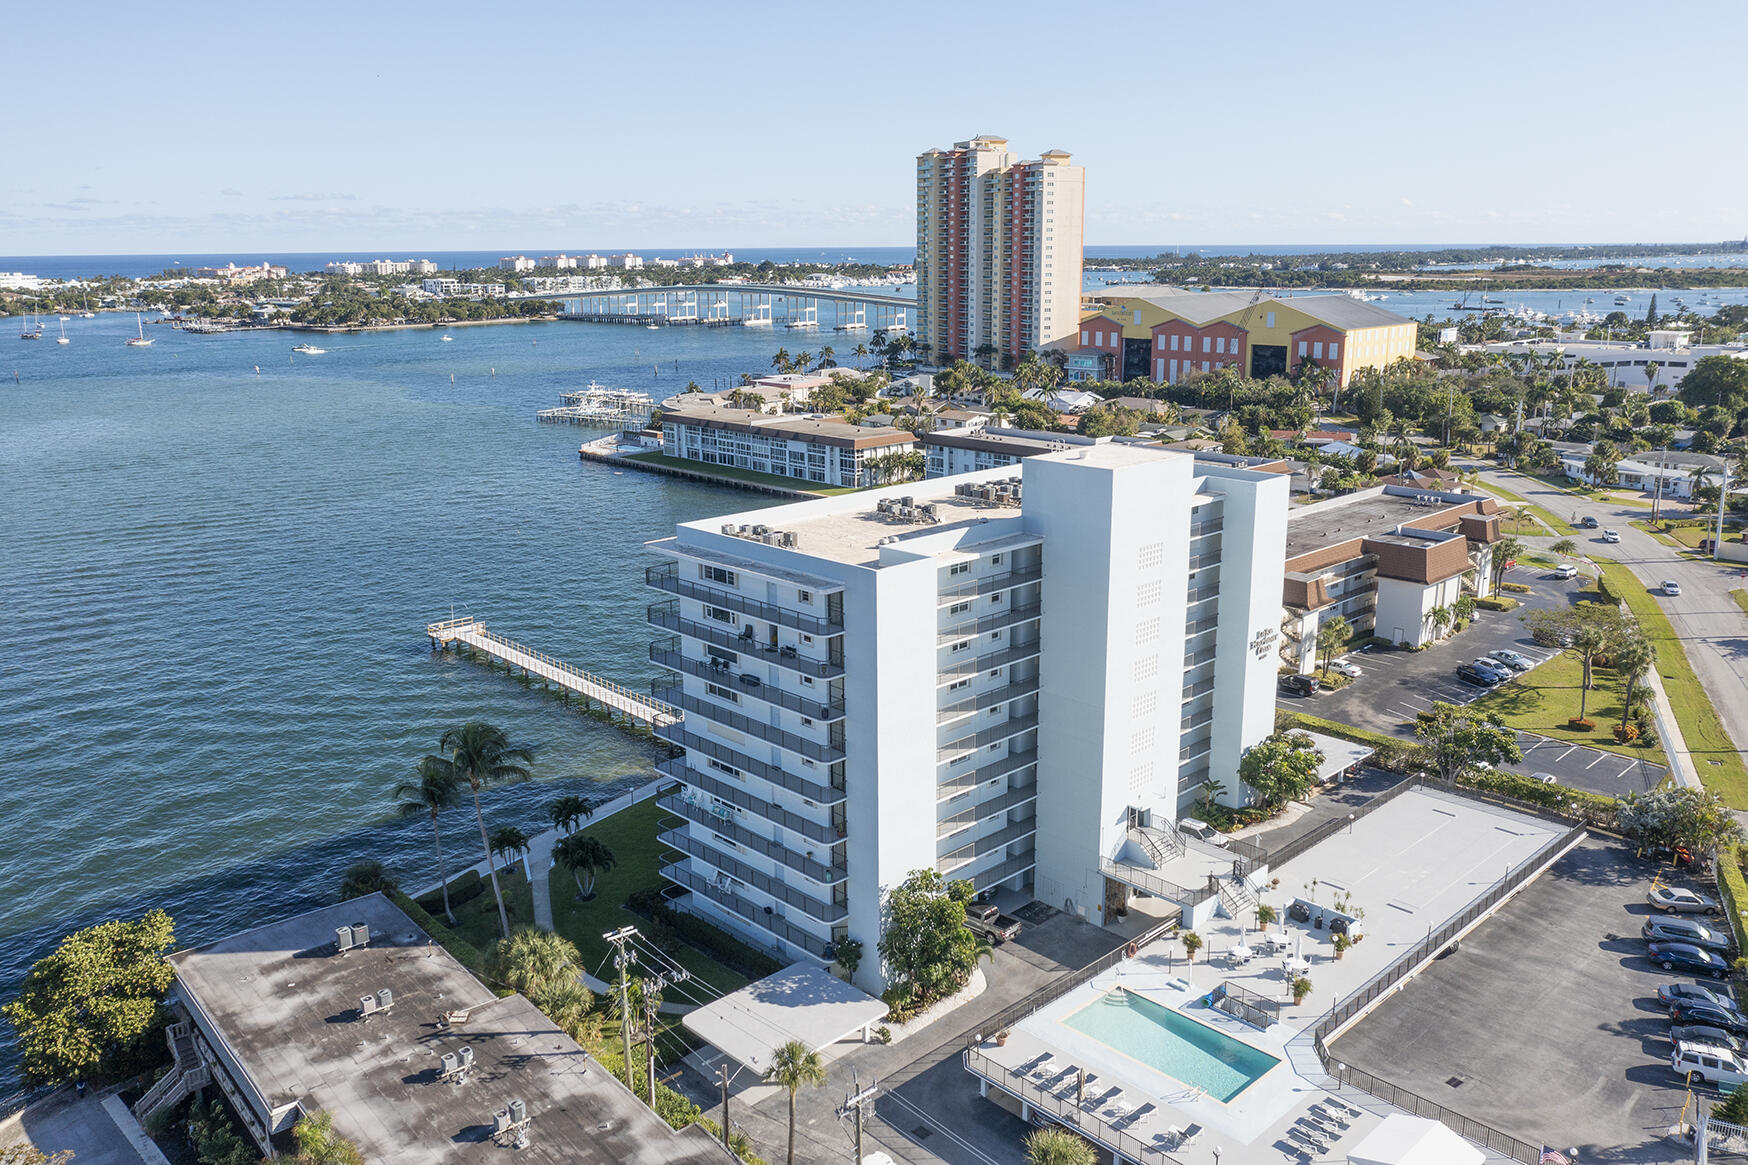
x=1402, y=607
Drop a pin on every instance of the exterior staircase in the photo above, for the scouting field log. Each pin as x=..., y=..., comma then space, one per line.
x=1238, y=899
x=186, y=1074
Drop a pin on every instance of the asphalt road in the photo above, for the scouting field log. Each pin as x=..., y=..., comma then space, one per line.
x=1396, y=686
x=1712, y=628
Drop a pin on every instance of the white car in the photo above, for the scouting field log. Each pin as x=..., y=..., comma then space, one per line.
x=1671, y=587
x=1565, y=571
x=1342, y=667
x=1544, y=778
x=1611, y=536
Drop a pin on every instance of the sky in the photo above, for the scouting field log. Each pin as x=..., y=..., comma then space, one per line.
x=398, y=127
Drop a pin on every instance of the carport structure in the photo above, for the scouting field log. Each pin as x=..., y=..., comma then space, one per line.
x=800, y=1003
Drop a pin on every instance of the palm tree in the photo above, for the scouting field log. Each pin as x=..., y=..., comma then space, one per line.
x=1565, y=548
x=507, y=839
x=482, y=755
x=792, y=1067
x=1652, y=368
x=803, y=361
x=1632, y=659
x=437, y=788
x=1058, y=1146
x=364, y=878
x=569, y=811
x=534, y=961
x=781, y=361
x=584, y=856
x=1439, y=618
x=828, y=357
x=860, y=352
x=1332, y=636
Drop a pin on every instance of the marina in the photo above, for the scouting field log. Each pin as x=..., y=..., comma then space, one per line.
x=601, y=408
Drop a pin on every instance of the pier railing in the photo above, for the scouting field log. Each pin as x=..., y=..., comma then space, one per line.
x=470, y=631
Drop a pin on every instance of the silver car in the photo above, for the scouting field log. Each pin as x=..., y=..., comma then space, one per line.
x=1677, y=900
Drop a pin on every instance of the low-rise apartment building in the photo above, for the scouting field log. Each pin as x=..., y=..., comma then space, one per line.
x=1167, y=334
x=231, y=273
x=993, y=675
x=812, y=449
x=1383, y=559
x=1626, y=363
x=454, y=287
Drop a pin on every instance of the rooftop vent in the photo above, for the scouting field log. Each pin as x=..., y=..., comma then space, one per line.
x=343, y=941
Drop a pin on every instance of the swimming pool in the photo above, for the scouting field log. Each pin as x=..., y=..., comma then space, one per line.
x=1174, y=1044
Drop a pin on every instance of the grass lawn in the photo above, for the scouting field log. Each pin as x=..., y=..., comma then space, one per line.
x=1741, y=597
x=631, y=835
x=1557, y=525
x=1715, y=757
x=1654, y=531
x=747, y=475
x=1541, y=699
x=477, y=921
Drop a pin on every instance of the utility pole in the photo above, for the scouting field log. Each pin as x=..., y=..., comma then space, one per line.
x=854, y=1104
x=722, y=1079
x=623, y=960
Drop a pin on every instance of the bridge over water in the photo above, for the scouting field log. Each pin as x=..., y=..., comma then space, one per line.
x=753, y=305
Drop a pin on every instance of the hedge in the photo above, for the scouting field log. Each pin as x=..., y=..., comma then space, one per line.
x=465, y=952
x=464, y=889
x=1503, y=603
x=713, y=941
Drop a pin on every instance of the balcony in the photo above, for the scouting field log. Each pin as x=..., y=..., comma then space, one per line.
x=731, y=827
x=953, y=783
x=826, y=912
x=990, y=806
x=667, y=617
x=756, y=917
x=820, y=791
x=999, y=731
x=984, y=846
x=822, y=832
x=992, y=582
x=965, y=628
x=1202, y=595
x=984, y=879
x=966, y=707
x=726, y=676
x=724, y=714
x=665, y=577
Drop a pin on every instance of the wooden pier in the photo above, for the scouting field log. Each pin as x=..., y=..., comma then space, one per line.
x=471, y=633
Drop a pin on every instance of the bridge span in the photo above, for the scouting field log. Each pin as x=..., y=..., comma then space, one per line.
x=753, y=305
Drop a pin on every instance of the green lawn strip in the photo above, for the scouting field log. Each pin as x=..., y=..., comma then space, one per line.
x=476, y=922
x=746, y=475
x=1715, y=755
x=1741, y=597
x=1557, y=525
x=1654, y=531
x=1541, y=700
x=1734, y=888
x=631, y=835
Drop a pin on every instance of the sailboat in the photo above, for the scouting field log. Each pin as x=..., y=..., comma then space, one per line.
x=88, y=314
x=28, y=333
x=139, y=341
x=63, y=339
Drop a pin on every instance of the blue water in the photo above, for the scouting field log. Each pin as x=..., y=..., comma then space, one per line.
x=1174, y=1044
x=216, y=586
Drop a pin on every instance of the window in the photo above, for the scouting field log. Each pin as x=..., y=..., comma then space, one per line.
x=1269, y=317
x=1083, y=334
x=959, y=568
x=1174, y=343
x=1207, y=345
x=1317, y=350
x=807, y=639
x=957, y=684
x=1303, y=346
x=719, y=615
x=959, y=760
x=995, y=598
x=721, y=693
x=807, y=681
x=957, y=608
x=716, y=574
x=995, y=560
x=995, y=673
x=1159, y=342
x=1334, y=350
x=804, y=596
x=995, y=634
x=960, y=646
x=1220, y=345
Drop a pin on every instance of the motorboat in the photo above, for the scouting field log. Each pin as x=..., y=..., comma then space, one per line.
x=448, y=339
x=309, y=350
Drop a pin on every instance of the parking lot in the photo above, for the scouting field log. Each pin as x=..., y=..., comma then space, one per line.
x=1398, y=685
x=1544, y=1023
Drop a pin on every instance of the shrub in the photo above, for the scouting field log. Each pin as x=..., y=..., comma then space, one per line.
x=1626, y=733
x=1581, y=724
x=1192, y=943
x=462, y=890
x=1515, y=588
x=900, y=1002
x=723, y=947
x=216, y=1137
x=1496, y=604
x=465, y=952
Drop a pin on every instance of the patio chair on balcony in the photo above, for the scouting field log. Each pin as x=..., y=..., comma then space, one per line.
x=1041, y=1060
x=1190, y=1133
x=1125, y=1120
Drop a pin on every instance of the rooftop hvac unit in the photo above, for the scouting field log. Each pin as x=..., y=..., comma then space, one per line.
x=761, y=531
x=342, y=939
x=465, y=1056
x=366, y=1005
x=728, y=528
x=501, y=1121
x=518, y=1112
x=451, y=1063
x=385, y=999
x=360, y=934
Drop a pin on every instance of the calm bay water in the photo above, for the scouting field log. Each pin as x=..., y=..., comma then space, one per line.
x=217, y=582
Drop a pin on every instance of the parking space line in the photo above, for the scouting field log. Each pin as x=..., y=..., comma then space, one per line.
x=1600, y=757
x=1570, y=749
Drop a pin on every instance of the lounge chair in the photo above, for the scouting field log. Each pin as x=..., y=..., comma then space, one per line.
x=1075, y=1084
x=1032, y=1065
x=1133, y=1115
x=1324, y=1113
x=1324, y=1127
x=1342, y=1106
x=1191, y=1132
x=1310, y=1140
x=1111, y=1095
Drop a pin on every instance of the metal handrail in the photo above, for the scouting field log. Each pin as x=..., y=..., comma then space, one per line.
x=1065, y=1110
x=1012, y=690
x=731, y=828
x=984, y=846
x=720, y=713
x=821, y=831
x=966, y=628
x=991, y=582
x=667, y=617
x=1012, y=726
x=952, y=784
x=821, y=791
x=672, y=657
x=751, y=914
x=629, y=695
x=665, y=578
x=827, y=912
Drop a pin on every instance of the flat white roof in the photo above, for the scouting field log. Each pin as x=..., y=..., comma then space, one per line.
x=1413, y=1140
x=799, y=1003
x=1338, y=754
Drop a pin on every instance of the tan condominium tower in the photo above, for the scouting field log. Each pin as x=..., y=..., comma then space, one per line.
x=998, y=251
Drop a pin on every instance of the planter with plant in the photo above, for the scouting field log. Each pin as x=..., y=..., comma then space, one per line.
x=1192, y=944
x=1301, y=988
x=1341, y=942
x=1265, y=915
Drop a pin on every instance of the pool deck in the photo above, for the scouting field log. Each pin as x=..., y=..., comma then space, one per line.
x=1411, y=866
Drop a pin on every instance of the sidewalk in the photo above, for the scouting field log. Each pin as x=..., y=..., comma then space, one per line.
x=1669, y=733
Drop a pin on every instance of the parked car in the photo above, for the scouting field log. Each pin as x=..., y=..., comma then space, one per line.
x=1699, y=1033
x=1680, y=900
x=1688, y=957
x=1672, y=993
x=1544, y=778
x=985, y=919
x=1611, y=536
x=1486, y=663
x=1480, y=677
x=1201, y=831
x=1711, y=1015
x=1671, y=587
x=1707, y=1062
x=1590, y=523
x=1342, y=667
x=1684, y=930
x=1515, y=660
x=1565, y=571
x=1298, y=685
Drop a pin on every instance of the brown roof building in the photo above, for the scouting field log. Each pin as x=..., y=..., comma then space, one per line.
x=822, y=450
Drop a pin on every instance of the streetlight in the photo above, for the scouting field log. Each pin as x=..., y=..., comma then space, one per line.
x=1350, y=819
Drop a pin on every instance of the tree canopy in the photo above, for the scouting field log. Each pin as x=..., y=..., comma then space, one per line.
x=1695, y=818
x=1456, y=740
x=1281, y=767
x=89, y=1002
x=925, y=941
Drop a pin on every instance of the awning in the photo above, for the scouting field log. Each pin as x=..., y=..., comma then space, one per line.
x=1413, y=1140
x=1338, y=755
x=800, y=1003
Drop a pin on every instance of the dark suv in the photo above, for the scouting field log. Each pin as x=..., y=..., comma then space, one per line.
x=1298, y=685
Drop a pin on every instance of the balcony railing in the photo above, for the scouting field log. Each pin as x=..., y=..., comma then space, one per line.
x=719, y=713
x=729, y=677
x=826, y=912
x=1001, y=730
x=954, y=782
x=667, y=617
x=965, y=628
x=985, y=584
x=983, y=810
x=730, y=826
x=758, y=918
x=666, y=577
x=820, y=791
x=1012, y=690
x=823, y=832
x=978, y=662
x=984, y=846
x=984, y=879
x=1202, y=594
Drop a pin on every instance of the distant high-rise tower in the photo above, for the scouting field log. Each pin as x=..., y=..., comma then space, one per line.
x=998, y=250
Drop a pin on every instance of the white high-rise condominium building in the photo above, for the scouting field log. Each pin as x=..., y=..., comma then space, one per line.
x=991, y=675
x=999, y=251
